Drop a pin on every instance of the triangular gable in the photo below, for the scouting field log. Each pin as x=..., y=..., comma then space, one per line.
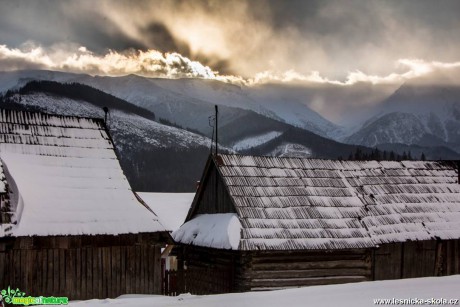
x=204, y=201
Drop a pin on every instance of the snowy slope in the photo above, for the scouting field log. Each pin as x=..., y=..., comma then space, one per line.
x=181, y=100
x=252, y=141
x=353, y=295
x=266, y=101
x=291, y=150
x=16, y=79
x=122, y=125
x=150, y=153
x=417, y=114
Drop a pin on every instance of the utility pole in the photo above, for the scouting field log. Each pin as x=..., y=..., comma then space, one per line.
x=217, y=130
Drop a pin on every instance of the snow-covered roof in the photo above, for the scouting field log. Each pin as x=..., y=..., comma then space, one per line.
x=171, y=208
x=67, y=178
x=295, y=203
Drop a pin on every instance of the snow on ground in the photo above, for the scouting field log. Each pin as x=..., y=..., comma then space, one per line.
x=257, y=140
x=171, y=208
x=353, y=295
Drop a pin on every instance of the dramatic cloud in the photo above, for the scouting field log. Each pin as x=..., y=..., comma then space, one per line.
x=412, y=68
x=153, y=63
x=318, y=41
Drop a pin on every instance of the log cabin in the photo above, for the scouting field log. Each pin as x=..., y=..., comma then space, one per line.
x=70, y=224
x=259, y=223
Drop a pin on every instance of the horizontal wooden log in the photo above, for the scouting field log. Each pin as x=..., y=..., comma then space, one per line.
x=294, y=253
x=66, y=242
x=311, y=265
x=297, y=282
x=311, y=273
x=307, y=258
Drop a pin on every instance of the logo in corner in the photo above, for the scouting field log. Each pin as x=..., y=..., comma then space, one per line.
x=7, y=295
x=17, y=297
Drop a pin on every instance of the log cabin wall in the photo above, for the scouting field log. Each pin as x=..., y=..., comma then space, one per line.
x=417, y=259
x=274, y=270
x=82, y=267
x=451, y=254
x=212, y=271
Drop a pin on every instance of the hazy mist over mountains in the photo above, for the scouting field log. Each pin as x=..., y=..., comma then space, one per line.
x=158, y=122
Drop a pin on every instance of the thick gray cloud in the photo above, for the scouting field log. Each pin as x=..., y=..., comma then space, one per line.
x=333, y=37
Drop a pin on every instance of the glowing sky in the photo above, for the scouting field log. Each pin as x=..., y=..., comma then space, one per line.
x=325, y=41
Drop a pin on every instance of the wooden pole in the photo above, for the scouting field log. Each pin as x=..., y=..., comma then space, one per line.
x=217, y=172
x=217, y=129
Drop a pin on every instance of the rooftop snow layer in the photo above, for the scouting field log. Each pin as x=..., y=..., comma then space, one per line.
x=296, y=203
x=68, y=178
x=211, y=230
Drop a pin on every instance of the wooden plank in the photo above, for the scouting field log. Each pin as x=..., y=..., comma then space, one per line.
x=278, y=283
x=68, y=275
x=56, y=263
x=18, y=280
x=44, y=271
x=419, y=259
x=143, y=264
x=89, y=273
x=103, y=273
x=456, y=257
x=27, y=269
x=5, y=281
x=78, y=264
x=108, y=271
x=304, y=257
x=137, y=269
x=84, y=263
x=156, y=271
x=68, y=267
x=116, y=273
x=122, y=270
x=387, y=262
x=97, y=278
x=312, y=265
x=109, y=267
x=37, y=272
x=151, y=269
x=62, y=274
x=310, y=273
x=75, y=290
x=31, y=270
x=129, y=269
x=2, y=270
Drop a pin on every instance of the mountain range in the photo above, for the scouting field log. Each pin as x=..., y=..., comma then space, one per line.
x=162, y=127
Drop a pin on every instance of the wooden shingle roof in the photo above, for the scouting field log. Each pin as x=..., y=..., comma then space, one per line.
x=295, y=203
x=67, y=178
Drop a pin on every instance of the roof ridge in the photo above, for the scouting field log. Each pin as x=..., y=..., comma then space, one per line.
x=32, y=113
x=335, y=160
